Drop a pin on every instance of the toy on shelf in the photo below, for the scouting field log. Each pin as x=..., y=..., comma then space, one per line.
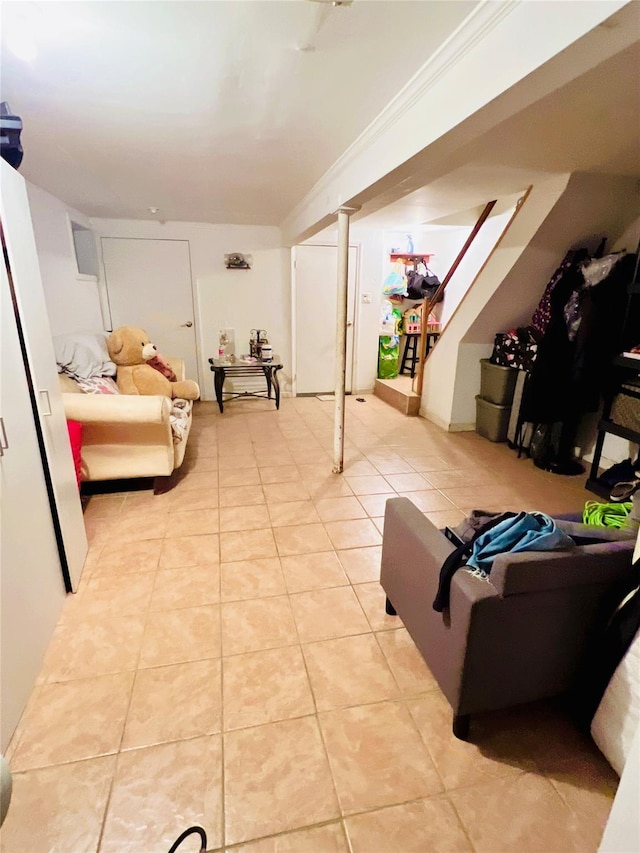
x=433, y=324
x=388, y=341
x=412, y=321
x=389, y=319
x=395, y=284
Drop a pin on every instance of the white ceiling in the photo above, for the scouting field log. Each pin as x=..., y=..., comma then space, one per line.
x=591, y=124
x=211, y=111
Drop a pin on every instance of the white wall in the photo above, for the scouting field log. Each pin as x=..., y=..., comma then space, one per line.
x=442, y=367
x=373, y=263
x=559, y=213
x=444, y=242
x=374, y=244
x=259, y=298
x=243, y=299
x=73, y=301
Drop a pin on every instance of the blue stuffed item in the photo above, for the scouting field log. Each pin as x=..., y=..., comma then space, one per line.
x=526, y=531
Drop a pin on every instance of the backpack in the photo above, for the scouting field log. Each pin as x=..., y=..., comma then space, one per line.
x=517, y=348
x=421, y=286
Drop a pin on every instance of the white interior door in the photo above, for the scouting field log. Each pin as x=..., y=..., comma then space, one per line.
x=149, y=285
x=315, y=296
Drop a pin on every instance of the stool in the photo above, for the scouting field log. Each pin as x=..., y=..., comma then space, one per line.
x=411, y=350
x=432, y=338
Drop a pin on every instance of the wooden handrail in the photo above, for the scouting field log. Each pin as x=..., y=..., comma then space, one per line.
x=437, y=296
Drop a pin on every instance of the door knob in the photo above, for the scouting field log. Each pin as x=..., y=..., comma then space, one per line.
x=188, y=324
x=4, y=442
x=45, y=396
x=349, y=324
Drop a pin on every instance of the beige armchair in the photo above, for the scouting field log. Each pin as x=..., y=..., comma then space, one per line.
x=126, y=436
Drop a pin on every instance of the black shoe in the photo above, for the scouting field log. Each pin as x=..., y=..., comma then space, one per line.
x=622, y=491
x=566, y=467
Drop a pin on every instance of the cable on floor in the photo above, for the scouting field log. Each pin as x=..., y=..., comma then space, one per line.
x=193, y=830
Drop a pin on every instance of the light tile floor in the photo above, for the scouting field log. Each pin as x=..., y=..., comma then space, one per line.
x=227, y=661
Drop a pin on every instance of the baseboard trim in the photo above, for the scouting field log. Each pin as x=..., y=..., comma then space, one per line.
x=468, y=427
x=444, y=425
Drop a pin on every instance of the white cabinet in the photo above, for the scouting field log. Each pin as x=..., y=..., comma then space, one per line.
x=38, y=346
x=43, y=543
x=31, y=582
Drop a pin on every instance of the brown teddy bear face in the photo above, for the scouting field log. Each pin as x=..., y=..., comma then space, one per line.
x=129, y=345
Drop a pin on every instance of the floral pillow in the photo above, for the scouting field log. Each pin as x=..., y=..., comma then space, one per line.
x=98, y=385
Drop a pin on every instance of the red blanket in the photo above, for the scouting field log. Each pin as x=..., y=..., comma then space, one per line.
x=75, y=437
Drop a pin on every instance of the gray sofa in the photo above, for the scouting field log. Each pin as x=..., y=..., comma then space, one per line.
x=516, y=637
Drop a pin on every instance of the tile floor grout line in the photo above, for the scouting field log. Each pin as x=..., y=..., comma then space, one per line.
x=223, y=798
x=424, y=742
x=103, y=822
x=304, y=828
x=463, y=825
x=390, y=668
x=313, y=697
x=304, y=660
x=12, y=748
x=119, y=751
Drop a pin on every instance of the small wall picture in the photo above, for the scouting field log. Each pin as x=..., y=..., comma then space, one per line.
x=238, y=261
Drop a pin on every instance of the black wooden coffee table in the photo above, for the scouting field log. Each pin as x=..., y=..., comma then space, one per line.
x=241, y=369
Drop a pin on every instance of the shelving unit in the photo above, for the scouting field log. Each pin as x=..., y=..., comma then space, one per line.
x=397, y=392
x=413, y=259
x=409, y=354
x=624, y=382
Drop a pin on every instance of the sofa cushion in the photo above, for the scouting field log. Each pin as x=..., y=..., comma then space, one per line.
x=531, y=571
x=69, y=385
x=584, y=532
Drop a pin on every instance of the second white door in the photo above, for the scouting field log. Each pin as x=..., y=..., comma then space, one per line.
x=316, y=298
x=149, y=285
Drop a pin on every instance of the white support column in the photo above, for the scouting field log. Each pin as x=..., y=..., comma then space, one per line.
x=341, y=336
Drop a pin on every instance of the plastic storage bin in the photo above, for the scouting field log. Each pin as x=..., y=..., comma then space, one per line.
x=492, y=421
x=497, y=383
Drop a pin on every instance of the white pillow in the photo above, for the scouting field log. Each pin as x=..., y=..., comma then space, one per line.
x=618, y=715
x=83, y=355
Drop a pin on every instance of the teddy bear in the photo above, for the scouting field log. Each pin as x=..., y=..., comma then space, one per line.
x=131, y=350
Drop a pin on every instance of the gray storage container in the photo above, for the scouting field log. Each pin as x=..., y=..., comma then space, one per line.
x=497, y=383
x=492, y=421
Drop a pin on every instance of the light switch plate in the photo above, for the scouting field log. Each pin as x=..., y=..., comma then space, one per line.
x=366, y=298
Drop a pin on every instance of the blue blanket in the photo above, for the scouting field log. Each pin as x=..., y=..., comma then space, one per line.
x=526, y=531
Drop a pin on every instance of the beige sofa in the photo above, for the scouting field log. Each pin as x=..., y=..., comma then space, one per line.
x=124, y=436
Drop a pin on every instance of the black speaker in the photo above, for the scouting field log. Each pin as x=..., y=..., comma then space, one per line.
x=10, y=130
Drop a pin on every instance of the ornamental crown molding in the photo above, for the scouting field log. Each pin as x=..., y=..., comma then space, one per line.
x=478, y=24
